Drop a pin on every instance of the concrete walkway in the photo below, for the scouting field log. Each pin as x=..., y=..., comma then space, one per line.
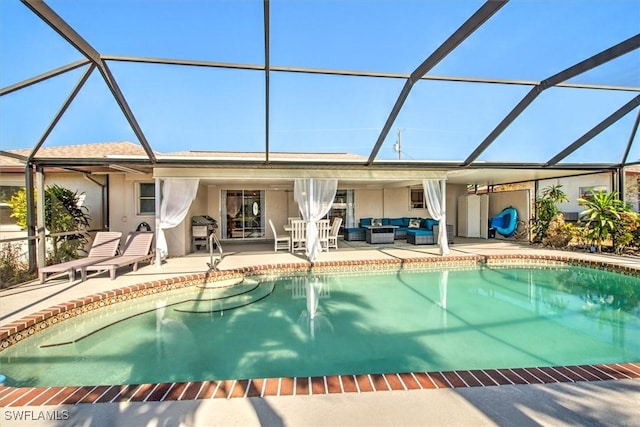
x=603, y=403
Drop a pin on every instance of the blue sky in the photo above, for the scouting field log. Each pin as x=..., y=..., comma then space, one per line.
x=189, y=108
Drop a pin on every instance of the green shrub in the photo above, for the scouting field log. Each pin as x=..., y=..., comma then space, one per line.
x=63, y=213
x=13, y=268
x=627, y=232
x=546, y=211
x=602, y=215
x=580, y=235
x=558, y=233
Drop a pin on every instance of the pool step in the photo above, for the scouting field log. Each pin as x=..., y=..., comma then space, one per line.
x=237, y=292
x=224, y=283
x=221, y=303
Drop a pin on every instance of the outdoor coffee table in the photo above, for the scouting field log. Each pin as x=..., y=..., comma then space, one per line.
x=381, y=233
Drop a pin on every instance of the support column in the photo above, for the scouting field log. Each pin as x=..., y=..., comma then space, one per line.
x=31, y=243
x=444, y=245
x=158, y=220
x=40, y=222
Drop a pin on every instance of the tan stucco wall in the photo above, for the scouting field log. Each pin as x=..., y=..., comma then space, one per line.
x=77, y=183
x=276, y=209
x=395, y=203
x=571, y=187
x=368, y=203
x=122, y=204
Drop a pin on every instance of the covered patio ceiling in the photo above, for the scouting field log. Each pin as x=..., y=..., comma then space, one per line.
x=478, y=90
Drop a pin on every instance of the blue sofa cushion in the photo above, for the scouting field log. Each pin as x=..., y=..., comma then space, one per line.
x=396, y=221
x=419, y=232
x=386, y=221
x=354, y=233
x=365, y=222
x=428, y=223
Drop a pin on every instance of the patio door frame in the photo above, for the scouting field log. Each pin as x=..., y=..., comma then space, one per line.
x=248, y=219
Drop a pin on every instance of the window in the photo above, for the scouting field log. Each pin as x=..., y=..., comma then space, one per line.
x=6, y=193
x=585, y=192
x=417, y=198
x=146, y=198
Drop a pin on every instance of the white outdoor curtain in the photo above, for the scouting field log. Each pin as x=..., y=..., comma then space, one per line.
x=177, y=195
x=435, y=199
x=314, y=198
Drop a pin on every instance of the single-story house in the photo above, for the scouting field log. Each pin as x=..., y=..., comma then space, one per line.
x=241, y=191
x=121, y=196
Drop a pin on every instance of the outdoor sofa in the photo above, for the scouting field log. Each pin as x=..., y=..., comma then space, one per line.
x=405, y=227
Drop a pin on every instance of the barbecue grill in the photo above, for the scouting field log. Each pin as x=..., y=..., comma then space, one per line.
x=202, y=226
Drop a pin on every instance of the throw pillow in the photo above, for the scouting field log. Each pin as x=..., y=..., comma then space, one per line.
x=414, y=223
x=376, y=222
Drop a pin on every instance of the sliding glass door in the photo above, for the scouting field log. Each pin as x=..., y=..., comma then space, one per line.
x=244, y=214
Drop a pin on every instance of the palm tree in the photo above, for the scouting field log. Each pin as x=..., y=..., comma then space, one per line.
x=601, y=214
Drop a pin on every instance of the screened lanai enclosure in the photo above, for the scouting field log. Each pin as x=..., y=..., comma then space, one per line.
x=456, y=85
x=478, y=92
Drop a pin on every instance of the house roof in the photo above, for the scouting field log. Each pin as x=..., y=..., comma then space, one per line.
x=244, y=167
x=129, y=150
x=100, y=150
x=91, y=150
x=260, y=155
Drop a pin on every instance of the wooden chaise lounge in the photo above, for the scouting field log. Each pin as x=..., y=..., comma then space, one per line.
x=137, y=248
x=104, y=247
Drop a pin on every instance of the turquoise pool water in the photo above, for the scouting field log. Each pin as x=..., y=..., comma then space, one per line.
x=343, y=324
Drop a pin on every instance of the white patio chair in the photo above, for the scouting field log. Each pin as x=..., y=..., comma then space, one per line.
x=298, y=234
x=280, y=242
x=323, y=233
x=332, y=241
x=292, y=218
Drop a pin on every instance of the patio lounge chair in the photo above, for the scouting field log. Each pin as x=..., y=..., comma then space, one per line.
x=137, y=248
x=105, y=246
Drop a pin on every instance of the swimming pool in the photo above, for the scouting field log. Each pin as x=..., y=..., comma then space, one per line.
x=400, y=321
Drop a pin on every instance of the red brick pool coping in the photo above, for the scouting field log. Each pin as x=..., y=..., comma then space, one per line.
x=308, y=386
x=37, y=396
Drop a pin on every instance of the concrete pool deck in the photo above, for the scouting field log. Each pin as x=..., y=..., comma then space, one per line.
x=607, y=402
